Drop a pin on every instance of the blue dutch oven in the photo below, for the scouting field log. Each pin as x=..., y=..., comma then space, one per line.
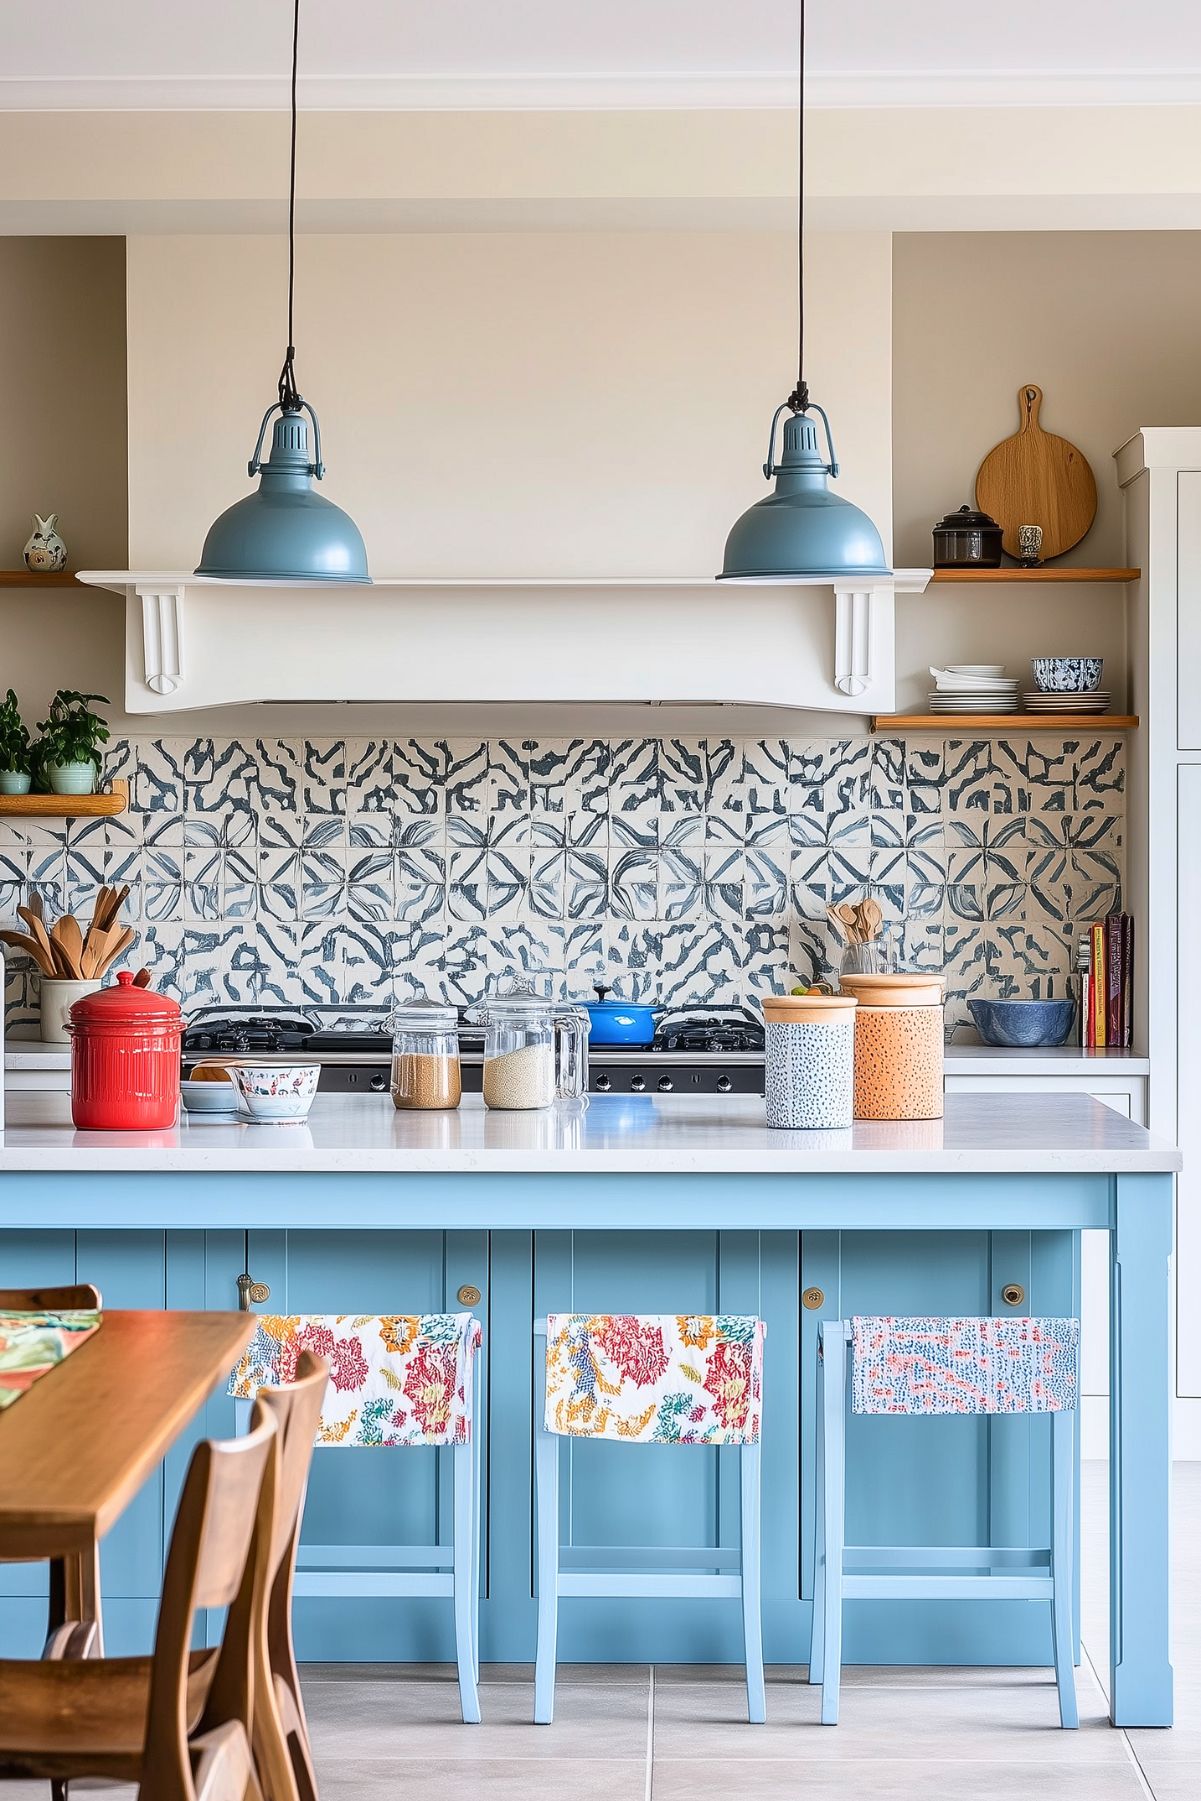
x=619, y=1022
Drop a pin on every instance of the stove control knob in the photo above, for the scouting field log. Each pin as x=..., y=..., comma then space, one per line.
x=379, y=1084
x=637, y=1084
x=724, y=1085
x=204, y=1042
x=665, y=1084
x=603, y=1084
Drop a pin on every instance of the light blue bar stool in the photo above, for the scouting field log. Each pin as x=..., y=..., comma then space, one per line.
x=675, y=1379
x=944, y=1366
x=384, y=1571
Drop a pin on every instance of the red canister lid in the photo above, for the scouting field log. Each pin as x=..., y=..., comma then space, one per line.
x=125, y=1005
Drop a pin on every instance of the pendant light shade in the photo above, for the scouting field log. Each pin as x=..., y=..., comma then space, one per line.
x=285, y=531
x=802, y=531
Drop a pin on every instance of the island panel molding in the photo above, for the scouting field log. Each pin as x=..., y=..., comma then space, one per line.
x=683, y=870
x=749, y=643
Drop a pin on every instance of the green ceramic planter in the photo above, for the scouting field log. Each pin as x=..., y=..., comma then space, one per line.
x=71, y=778
x=15, y=781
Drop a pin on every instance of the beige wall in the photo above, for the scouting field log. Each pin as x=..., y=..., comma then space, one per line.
x=62, y=449
x=542, y=404
x=1107, y=324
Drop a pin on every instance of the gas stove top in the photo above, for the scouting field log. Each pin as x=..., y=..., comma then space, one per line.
x=717, y=1050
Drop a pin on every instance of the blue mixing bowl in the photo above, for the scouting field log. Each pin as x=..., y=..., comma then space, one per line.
x=1023, y=1024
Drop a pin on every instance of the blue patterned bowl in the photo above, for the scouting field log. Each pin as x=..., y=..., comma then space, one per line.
x=1067, y=675
x=1023, y=1024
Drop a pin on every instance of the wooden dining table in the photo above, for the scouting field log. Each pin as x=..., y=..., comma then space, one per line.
x=78, y=1445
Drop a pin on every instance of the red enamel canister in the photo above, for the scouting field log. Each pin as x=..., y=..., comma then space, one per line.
x=125, y=1050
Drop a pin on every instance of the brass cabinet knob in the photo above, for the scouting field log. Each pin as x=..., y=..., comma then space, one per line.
x=813, y=1298
x=469, y=1295
x=251, y=1293
x=1013, y=1294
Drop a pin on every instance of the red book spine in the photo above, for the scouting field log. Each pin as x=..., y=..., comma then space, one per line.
x=1113, y=979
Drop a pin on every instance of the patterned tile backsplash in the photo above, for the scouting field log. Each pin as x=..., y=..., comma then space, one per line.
x=293, y=871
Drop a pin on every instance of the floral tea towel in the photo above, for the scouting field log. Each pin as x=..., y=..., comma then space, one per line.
x=677, y=1379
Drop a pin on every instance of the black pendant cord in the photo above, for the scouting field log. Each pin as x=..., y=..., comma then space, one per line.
x=798, y=400
x=289, y=395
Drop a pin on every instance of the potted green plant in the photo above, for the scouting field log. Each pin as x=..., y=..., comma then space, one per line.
x=68, y=750
x=15, y=765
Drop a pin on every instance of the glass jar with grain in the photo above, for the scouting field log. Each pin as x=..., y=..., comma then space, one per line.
x=535, y=1051
x=425, y=1056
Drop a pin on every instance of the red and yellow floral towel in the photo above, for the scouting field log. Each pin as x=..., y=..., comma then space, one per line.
x=32, y=1343
x=673, y=1378
x=395, y=1379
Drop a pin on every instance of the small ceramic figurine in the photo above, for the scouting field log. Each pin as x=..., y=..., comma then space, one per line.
x=1030, y=545
x=45, y=552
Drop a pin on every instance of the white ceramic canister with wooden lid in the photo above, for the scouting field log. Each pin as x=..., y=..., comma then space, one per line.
x=810, y=1060
x=898, y=1045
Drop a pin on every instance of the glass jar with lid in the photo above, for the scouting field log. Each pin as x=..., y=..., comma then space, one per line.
x=535, y=1050
x=425, y=1056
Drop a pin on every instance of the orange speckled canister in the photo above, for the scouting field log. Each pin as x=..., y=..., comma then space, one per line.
x=898, y=1046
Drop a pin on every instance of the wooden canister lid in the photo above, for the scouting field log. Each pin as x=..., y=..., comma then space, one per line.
x=895, y=990
x=809, y=1009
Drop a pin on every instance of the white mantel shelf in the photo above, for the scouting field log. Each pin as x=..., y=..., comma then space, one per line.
x=193, y=641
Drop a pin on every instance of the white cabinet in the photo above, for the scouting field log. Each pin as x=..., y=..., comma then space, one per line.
x=1160, y=473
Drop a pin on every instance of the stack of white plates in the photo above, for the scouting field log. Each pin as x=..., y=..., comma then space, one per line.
x=973, y=688
x=1095, y=701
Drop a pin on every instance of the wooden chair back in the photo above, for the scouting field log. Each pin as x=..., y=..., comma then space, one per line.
x=76, y=1297
x=219, y=1557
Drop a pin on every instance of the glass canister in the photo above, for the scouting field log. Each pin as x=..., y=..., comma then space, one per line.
x=810, y=1055
x=426, y=1073
x=898, y=1045
x=535, y=1051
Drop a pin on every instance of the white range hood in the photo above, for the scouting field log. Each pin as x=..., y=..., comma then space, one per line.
x=193, y=641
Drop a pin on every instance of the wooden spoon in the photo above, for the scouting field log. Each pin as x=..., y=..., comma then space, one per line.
x=142, y=979
x=850, y=919
x=872, y=916
x=34, y=922
x=115, y=948
x=32, y=948
x=71, y=939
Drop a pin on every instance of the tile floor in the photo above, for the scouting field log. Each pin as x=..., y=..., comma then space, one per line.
x=629, y=1733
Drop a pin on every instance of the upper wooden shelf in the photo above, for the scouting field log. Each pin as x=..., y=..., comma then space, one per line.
x=66, y=806
x=952, y=725
x=1046, y=572
x=26, y=578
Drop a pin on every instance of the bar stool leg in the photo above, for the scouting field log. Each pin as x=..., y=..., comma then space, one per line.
x=818, y=1624
x=464, y=1564
x=546, y=1473
x=752, y=1604
x=1063, y=1453
x=833, y=1413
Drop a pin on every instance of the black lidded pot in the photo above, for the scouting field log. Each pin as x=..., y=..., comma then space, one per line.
x=967, y=540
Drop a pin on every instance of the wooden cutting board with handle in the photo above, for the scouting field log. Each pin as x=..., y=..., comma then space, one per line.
x=1037, y=478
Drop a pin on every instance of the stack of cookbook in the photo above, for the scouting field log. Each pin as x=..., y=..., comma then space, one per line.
x=1105, y=967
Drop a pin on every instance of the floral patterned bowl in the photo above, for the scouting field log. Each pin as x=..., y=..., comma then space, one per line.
x=1067, y=675
x=273, y=1091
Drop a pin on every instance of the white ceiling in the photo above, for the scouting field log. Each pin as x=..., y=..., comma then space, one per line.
x=156, y=53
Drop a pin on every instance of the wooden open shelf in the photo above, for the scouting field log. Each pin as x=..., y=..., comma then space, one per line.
x=66, y=806
x=954, y=724
x=1046, y=572
x=27, y=578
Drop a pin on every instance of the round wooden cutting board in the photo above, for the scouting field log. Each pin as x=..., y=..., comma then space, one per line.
x=1036, y=478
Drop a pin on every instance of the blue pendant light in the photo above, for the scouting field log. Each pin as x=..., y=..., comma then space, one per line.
x=285, y=531
x=802, y=529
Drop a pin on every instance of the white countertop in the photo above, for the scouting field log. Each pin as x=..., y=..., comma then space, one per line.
x=1043, y=1134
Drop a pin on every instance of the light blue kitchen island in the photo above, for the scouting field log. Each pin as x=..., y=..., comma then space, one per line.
x=641, y=1205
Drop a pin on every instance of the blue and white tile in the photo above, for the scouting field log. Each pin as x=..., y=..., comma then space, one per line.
x=465, y=779
x=370, y=780
x=635, y=781
x=371, y=884
x=681, y=890
x=420, y=773
x=633, y=883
